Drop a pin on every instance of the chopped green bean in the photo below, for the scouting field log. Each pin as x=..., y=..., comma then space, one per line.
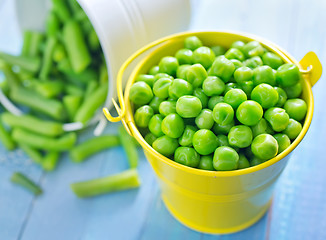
x=33, y=124
x=5, y=138
x=91, y=87
x=27, y=38
x=11, y=77
x=50, y=161
x=47, y=57
x=22, y=180
x=31, y=64
x=129, y=147
x=118, y=182
x=73, y=89
x=59, y=52
x=71, y=104
x=32, y=153
x=52, y=24
x=49, y=89
x=93, y=40
x=61, y=9
x=65, y=142
x=91, y=146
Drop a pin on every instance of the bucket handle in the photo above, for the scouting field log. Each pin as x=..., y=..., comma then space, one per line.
x=312, y=66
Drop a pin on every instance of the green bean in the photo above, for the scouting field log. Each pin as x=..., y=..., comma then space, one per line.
x=65, y=142
x=71, y=104
x=73, y=89
x=33, y=124
x=93, y=145
x=50, y=161
x=31, y=64
x=51, y=107
x=59, y=53
x=52, y=24
x=91, y=104
x=61, y=9
x=91, y=87
x=47, y=57
x=27, y=38
x=22, y=180
x=11, y=77
x=4, y=86
x=31, y=44
x=104, y=76
x=32, y=153
x=118, y=182
x=49, y=89
x=5, y=138
x=83, y=77
x=129, y=147
x=76, y=47
x=74, y=7
x=93, y=40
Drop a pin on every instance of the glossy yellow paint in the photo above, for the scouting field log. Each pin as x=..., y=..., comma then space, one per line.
x=211, y=201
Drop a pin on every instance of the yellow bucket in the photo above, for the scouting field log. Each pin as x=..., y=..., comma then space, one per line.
x=212, y=201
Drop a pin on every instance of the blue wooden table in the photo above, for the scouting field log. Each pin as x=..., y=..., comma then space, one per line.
x=298, y=210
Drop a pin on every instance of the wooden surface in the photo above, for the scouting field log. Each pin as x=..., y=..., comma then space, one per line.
x=298, y=210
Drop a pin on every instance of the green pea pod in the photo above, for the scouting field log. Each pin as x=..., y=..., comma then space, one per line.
x=47, y=57
x=50, y=161
x=5, y=138
x=118, y=182
x=65, y=142
x=22, y=180
x=31, y=64
x=91, y=146
x=129, y=147
x=76, y=47
x=34, y=124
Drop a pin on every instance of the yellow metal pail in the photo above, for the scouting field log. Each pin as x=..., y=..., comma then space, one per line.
x=213, y=201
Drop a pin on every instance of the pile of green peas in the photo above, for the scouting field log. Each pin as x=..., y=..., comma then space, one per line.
x=219, y=109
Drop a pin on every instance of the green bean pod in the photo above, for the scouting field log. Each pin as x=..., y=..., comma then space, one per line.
x=122, y=181
x=129, y=147
x=33, y=124
x=22, y=180
x=93, y=145
x=65, y=142
x=6, y=138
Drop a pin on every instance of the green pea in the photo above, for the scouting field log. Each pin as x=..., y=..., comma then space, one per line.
x=222, y=140
x=149, y=79
x=214, y=100
x=252, y=49
x=173, y=125
x=182, y=71
x=143, y=115
x=287, y=75
x=243, y=74
x=161, y=87
x=253, y=62
x=140, y=93
x=223, y=113
x=277, y=118
x=165, y=145
x=204, y=56
x=222, y=68
x=150, y=138
x=234, y=53
x=225, y=158
x=168, y=107
x=186, y=138
x=155, y=103
x=293, y=91
x=169, y=65
x=204, y=141
x=179, y=88
x=240, y=136
x=264, y=146
x=192, y=43
x=272, y=60
x=188, y=106
x=243, y=162
x=206, y=163
x=263, y=74
x=247, y=87
x=261, y=127
x=213, y=85
x=282, y=97
x=154, y=70
x=223, y=129
x=154, y=125
x=283, y=141
x=218, y=50
x=293, y=129
x=256, y=161
x=249, y=113
x=184, y=56
x=199, y=93
x=205, y=119
x=187, y=156
x=235, y=97
x=196, y=74
x=237, y=64
x=238, y=44
x=296, y=108
x=265, y=95
x=161, y=75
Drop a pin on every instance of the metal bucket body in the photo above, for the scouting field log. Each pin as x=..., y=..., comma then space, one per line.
x=214, y=201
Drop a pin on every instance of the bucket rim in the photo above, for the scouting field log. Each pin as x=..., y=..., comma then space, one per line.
x=271, y=46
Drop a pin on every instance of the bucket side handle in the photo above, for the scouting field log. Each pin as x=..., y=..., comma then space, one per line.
x=312, y=66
